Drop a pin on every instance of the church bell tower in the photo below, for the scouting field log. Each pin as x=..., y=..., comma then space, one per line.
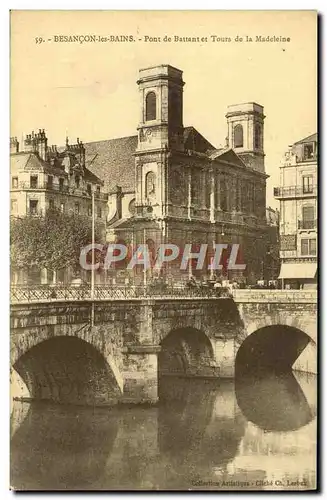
x=161, y=108
x=160, y=133
x=246, y=133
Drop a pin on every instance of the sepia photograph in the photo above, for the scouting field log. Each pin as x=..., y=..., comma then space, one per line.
x=163, y=250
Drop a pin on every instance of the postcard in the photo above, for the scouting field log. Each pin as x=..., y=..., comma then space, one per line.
x=164, y=239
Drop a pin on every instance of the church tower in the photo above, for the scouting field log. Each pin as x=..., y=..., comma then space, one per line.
x=160, y=133
x=161, y=108
x=246, y=133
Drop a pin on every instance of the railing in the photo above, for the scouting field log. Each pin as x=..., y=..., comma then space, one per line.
x=309, y=296
x=60, y=188
x=48, y=293
x=294, y=191
x=53, y=293
x=307, y=224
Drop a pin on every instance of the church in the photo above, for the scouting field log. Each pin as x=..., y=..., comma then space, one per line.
x=169, y=184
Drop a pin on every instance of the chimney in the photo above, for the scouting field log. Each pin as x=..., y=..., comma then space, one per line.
x=41, y=146
x=81, y=150
x=14, y=145
x=29, y=143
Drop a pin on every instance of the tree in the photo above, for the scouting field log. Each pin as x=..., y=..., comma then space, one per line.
x=53, y=241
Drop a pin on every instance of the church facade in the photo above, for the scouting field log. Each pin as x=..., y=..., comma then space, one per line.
x=169, y=184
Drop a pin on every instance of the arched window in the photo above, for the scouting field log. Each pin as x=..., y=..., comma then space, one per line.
x=238, y=136
x=151, y=247
x=131, y=207
x=257, y=137
x=150, y=106
x=150, y=184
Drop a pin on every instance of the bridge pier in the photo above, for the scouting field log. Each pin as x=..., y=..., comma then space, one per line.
x=224, y=353
x=140, y=374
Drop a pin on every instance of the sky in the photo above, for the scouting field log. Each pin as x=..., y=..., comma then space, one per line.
x=89, y=90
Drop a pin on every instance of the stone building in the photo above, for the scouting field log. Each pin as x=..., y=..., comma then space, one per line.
x=44, y=178
x=298, y=214
x=169, y=184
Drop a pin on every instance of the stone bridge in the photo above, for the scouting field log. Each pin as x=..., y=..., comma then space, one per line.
x=107, y=351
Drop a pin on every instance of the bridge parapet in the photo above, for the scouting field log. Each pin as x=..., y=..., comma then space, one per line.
x=20, y=294
x=273, y=296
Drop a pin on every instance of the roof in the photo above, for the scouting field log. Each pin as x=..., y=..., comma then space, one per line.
x=194, y=141
x=90, y=177
x=229, y=155
x=31, y=161
x=113, y=161
x=310, y=138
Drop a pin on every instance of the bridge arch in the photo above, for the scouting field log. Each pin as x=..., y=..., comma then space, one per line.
x=274, y=348
x=253, y=322
x=67, y=370
x=186, y=351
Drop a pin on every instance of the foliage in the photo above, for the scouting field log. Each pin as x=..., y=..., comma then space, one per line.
x=53, y=241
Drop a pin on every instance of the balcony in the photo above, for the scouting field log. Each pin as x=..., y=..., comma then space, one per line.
x=59, y=188
x=100, y=196
x=295, y=192
x=307, y=224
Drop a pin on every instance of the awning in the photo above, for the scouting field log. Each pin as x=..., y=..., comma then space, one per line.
x=304, y=270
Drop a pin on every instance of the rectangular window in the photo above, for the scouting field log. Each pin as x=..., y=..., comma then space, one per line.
x=51, y=204
x=61, y=184
x=89, y=189
x=237, y=195
x=223, y=194
x=308, y=151
x=76, y=208
x=312, y=247
x=308, y=212
x=98, y=189
x=308, y=246
x=77, y=181
x=307, y=181
x=50, y=182
x=195, y=187
x=33, y=206
x=33, y=182
x=308, y=217
x=99, y=212
x=14, y=182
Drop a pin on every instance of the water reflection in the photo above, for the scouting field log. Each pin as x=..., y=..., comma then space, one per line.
x=270, y=402
x=59, y=447
x=205, y=434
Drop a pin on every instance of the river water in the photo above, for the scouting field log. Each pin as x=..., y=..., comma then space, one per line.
x=204, y=434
